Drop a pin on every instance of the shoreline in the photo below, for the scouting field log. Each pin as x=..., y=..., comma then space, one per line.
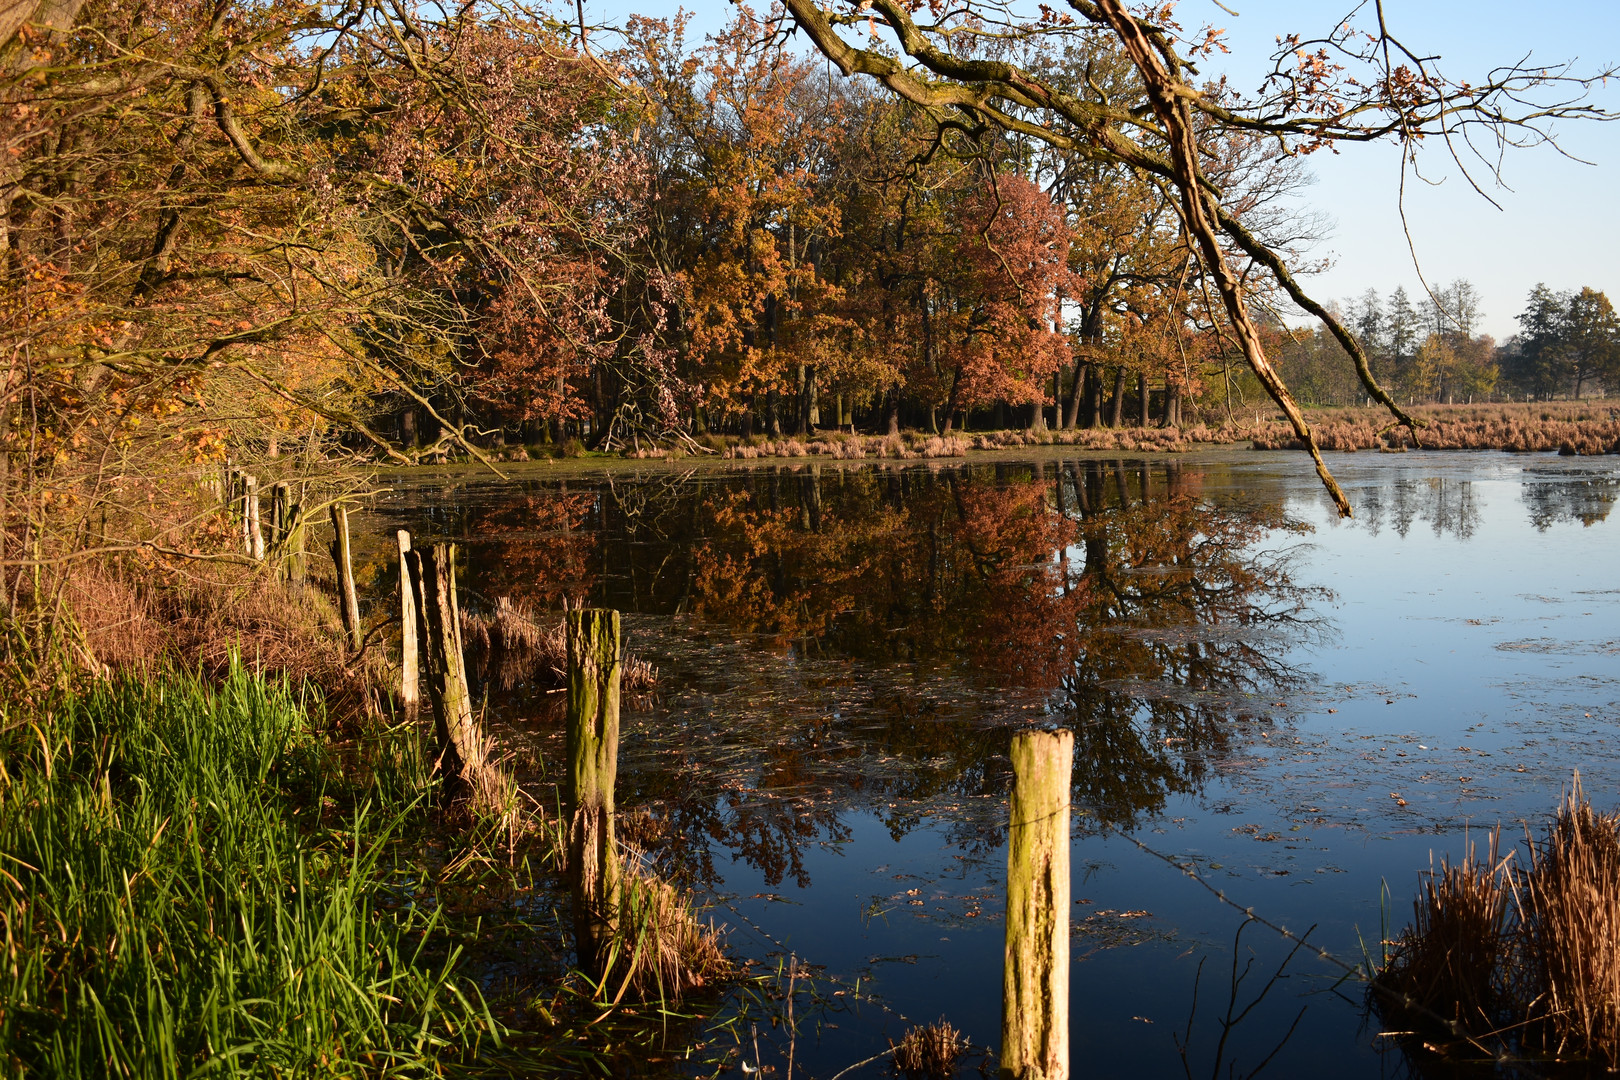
x=1585, y=429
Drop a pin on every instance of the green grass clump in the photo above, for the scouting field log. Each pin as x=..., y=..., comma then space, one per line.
x=189, y=886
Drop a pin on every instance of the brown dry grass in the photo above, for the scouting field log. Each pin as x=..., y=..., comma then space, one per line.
x=659, y=950
x=137, y=619
x=1569, y=427
x=930, y=1050
x=1519, y=956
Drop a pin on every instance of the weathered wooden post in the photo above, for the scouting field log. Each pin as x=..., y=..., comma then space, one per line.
x=342, y=558
x=278, y=516
x=593, y=762
x=1035, y=979
x=408, y=692
x=292, y=545
x=462, y=751
x=254, y=532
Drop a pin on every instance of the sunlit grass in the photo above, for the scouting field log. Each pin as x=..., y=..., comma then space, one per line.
x=187, y=884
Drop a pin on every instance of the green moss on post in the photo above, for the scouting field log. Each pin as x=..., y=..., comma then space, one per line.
x=1035, y=980
x=593, y=761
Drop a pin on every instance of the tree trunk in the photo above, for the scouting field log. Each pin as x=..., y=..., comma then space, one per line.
x=1144, y=399
x=1116, y=408
x=1035, y=975
x=1172, y=406
x=593, y=757
x=342, y=559
x=1093, y=391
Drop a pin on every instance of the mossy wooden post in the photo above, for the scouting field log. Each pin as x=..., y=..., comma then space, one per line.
x=461, y=748
x=292, y=555
x=279, y=499
x=593, y=763
x=343, y=559
x=408, y=692
x=1035, y=979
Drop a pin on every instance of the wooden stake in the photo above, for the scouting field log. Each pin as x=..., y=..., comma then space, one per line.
x=279, y=500
x=342, y=558
x=255, y=534
x=293, y=562
x=1035, y=979
x=593, y=762
x=408, y=691
x=462, y=750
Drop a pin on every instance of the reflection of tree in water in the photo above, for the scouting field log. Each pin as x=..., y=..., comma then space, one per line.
x=1114, y=600
x=1185, y=618
x=1586, y=499
x=1398, y=502
x=867, y=638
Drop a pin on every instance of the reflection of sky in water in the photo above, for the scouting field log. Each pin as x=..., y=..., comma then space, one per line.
x=849, y=811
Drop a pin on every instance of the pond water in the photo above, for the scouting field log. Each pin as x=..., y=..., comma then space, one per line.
x=1268, y=704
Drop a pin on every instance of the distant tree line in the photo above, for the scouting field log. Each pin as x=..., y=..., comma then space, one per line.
x=1428, y=351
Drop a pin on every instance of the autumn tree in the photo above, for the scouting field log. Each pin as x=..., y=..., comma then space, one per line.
x=741, y=140
x=959, y=69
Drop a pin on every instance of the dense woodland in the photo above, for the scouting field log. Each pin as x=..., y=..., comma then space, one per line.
x=253, y=226
x=277, y=235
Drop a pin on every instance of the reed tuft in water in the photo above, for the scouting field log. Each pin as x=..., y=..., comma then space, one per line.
x=929, y=1051
x=1518, y=957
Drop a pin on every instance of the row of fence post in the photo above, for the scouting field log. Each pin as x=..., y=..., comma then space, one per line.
x=431, y=651
x=278, y=534
x=1035, y=981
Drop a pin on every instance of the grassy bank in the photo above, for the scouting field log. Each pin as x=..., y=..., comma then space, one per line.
x=1569, y=427
x=189, y=883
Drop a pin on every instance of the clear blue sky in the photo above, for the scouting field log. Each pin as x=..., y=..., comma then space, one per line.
x=1558, y=220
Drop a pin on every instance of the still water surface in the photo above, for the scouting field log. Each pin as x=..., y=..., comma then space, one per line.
x=1266, y=702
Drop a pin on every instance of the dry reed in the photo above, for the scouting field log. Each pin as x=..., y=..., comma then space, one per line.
x=1446, y=963
x=1572, y=931
x=659, y=950
x=929, y=1050
x=514, y=644
x=1519, y=956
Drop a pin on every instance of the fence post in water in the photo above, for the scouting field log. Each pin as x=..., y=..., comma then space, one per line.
x=1035, y=979
x=342, y=558
x=408, y=693
x=461, y=747
x=593, y=760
